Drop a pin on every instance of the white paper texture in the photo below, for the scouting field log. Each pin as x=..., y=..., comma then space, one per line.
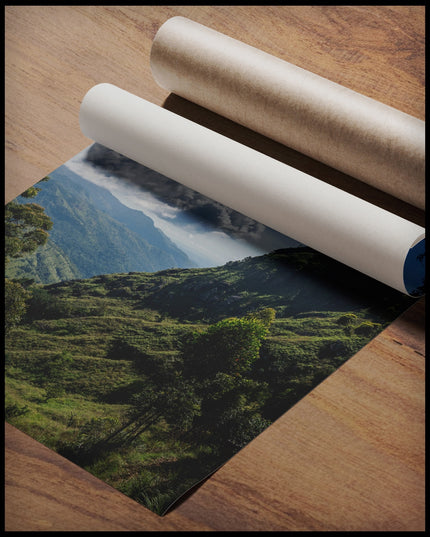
x=344, y=227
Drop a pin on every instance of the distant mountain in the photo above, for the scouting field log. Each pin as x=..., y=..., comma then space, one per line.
x=48, y=264
x=94, y=233
x=190, y=203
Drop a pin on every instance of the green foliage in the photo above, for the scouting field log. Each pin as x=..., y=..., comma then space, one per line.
x=152, y=380
x=266, y=316
x=347, y=319
x=236, y=427
x=89, y=443
x=26, y=226
x=218, y=362
x=34, y=190
x=43, y=305
x=230, y=412
x=15, y=304
x=145, y=489
x=176, y=403
x=13, y=410
x=122, y=349
x=56, y=366
x=338, y=348
x=229, y=346
x=367, y=329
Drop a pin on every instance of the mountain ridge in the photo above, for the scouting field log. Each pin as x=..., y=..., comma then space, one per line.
x=290, y=280
x=94, y=233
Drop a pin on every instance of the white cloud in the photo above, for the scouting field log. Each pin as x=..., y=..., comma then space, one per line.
x=205, y=247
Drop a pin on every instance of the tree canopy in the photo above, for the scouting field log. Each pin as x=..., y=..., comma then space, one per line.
x=26, y=228
x=230, y=346
x=26, y=225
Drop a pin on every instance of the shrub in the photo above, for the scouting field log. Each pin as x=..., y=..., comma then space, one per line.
x=347, y=319
x=333, y=349
x=120, y=349
x=13, y=410
x=43, y=305
x=367, y=329
x=230, y=346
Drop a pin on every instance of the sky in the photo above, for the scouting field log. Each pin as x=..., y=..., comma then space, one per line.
x=204, y=242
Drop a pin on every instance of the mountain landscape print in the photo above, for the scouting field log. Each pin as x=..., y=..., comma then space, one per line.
x=151, y=332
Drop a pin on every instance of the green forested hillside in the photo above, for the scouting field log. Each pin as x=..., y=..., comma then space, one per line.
x=93, y=233
x=152, y=380
x=47, y=264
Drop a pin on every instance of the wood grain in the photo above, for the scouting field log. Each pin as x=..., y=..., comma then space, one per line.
x=350, y=455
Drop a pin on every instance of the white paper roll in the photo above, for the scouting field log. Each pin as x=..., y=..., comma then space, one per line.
x=344, y=227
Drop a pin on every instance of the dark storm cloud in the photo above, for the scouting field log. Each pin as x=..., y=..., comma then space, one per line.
x=190, y=202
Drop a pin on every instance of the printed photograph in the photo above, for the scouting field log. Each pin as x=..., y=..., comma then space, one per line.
x=151, y=333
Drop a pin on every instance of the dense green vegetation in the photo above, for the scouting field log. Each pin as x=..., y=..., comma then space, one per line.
x=26, y=229
x=152, y=380
x=93, y=234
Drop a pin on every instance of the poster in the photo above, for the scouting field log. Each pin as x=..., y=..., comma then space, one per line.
x=151, y=332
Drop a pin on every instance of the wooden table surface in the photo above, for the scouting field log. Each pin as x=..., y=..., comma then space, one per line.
x=350, y=455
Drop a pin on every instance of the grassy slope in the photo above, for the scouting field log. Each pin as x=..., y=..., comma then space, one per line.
x=61, y=373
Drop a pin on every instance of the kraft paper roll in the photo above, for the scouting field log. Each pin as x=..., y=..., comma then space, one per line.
x=335, y=125
x=357, y=233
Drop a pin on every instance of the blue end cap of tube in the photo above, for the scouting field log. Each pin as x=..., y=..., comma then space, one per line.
x=414, y=269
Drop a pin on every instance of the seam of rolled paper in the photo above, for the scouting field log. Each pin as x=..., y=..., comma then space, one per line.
x=315, y=213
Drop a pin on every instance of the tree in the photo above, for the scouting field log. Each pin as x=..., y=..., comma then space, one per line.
x=229, y=346
x=211, y=399
x=15, y=306
x=176, y=403
x=266, y=316
x=26, y=228
x=367, y=329
x=236, y=427
x=219, y=362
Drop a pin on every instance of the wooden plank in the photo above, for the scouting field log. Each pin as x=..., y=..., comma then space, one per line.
x=46, y=492
x=349, y=456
